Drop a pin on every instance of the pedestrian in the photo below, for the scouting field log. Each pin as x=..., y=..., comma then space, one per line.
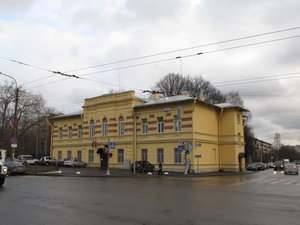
x=160, y=169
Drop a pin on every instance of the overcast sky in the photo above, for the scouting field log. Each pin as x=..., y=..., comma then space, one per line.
x=64, y=35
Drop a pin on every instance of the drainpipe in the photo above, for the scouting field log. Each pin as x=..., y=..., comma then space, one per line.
x=134, y=142
x=51, y=142
x=219, y=139
x=193, y=140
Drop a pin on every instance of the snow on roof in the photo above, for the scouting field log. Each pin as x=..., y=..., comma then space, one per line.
x=165, y=100
x=228, y=105
x=68, y=115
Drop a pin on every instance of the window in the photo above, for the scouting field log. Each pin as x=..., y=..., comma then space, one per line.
x=160, y=124
x=70, y=132
x=239, y=137
x=92, y=128
x=144, y=126
x=177, y=123
x=120, y=155
x=145, y=154
x=69, y=154
x=80, y=131
x=238, y=118
x=177, y=156
x=91, y=156
x=160, y=155
x=59, y=155
x=79, y=155
x=61, y=133
x=121, y=126
x=104, y=127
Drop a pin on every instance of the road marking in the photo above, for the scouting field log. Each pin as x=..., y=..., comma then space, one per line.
x=267, y=181
x=293, y=181
x=246, y=182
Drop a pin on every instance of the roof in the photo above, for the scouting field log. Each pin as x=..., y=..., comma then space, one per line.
x=108, y=94
x=230, y=106
x=165, y=100
x=67, y=115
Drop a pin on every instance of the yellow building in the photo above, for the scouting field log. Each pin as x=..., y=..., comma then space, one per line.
x=154, y=130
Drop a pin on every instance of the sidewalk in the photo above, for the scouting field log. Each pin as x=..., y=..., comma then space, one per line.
x=97, y=172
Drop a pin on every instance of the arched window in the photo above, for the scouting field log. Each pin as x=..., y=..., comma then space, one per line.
x=121, y=126
x=92, y=128
x=104, y=127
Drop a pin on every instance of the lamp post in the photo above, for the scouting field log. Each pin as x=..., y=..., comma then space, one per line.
x=15, y=122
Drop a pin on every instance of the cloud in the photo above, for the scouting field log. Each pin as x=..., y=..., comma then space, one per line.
x=15, y=6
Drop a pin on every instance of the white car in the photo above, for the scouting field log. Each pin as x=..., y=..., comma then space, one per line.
x=74, y=163
x=28, y=160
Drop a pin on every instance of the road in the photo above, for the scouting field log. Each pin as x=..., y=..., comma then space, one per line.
x=249, y=199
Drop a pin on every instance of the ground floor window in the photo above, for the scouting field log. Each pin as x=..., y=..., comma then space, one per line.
x=145, y=154
x=59, y=155
x=91, y=156
x=120, y=155
x=79, y=155
x=69, y=154
x=177, y=156
x=160, y=155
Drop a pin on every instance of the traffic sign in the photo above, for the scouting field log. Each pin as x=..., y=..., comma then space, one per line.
x=190, y=146
x=112, y=145
x=14, y=145
x=13, y=141
x=180, y=148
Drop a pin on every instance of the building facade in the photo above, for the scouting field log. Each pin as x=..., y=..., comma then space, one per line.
x=261, y=148
x=156, y=130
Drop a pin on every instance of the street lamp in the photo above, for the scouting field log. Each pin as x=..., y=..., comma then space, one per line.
x=14, y=138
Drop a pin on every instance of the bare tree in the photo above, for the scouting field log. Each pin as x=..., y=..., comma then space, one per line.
x=171, y=84
x=174, y=84
x=31, y=112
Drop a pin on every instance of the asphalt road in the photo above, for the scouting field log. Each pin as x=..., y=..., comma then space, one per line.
x=250, y=199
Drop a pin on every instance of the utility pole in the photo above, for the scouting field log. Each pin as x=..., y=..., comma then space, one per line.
x=107, y=170
x=13, y=150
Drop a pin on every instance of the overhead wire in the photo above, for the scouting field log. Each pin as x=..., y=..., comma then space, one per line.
x=170, y=59
x=187, y=48
x=150, y=55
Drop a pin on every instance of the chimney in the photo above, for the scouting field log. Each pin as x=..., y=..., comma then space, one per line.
x=155, y=96
x=185, y=93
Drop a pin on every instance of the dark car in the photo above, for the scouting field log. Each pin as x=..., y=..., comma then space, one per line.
x=60, y=162
x=278, y=165
x=252, y=166
x=15, y=167
x=261, y=166
x=142, y=166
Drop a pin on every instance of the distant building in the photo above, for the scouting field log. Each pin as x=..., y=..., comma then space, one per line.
x=297, y=148
x=154, y=130
x=261, y=148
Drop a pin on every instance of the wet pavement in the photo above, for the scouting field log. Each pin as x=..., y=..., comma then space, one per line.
x=250, y=199
x=97, y=172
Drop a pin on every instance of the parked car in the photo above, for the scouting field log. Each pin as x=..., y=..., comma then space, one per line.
x=278, y=165
x=15, y=167
x=291, y=168
x=252, y=166
x=74, y=163
x=142, y=166
x=60, y=162
x=270, y=164
x=28, y=160
x=48, y=160
x=261, y=166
